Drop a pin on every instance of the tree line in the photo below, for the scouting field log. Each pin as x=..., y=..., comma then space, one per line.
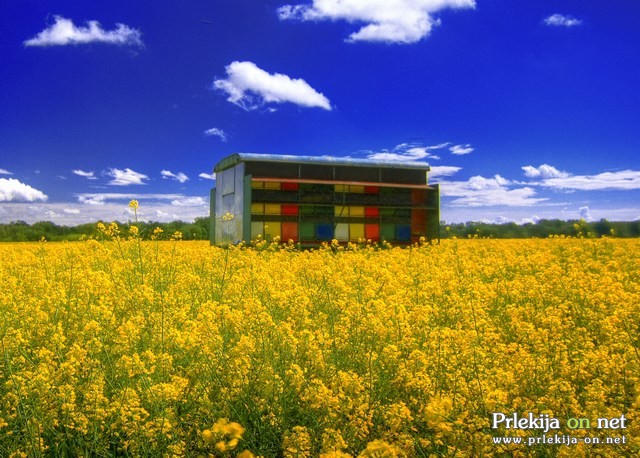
x=20, y=231
x=542, y=229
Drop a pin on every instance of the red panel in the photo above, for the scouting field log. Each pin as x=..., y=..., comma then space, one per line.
x=289, y=209
x=289, y=187
x=372, y=232
x=371, y=212
x=418, y=197
x=371, y=190
x=289, y=231
x=419, y=217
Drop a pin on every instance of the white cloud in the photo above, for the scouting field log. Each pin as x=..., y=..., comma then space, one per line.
x=399, y=157
x=12, y=190
x=480, y=183
x=208, y=176
x=101, y=198
x=479, y=191
x=181, y=177
x=562, y=20
x=5, y=172
x=65, y=32
x=461, y=149
x=189, y=202
x=125, y=177
x=496, y=197
x=585, y=213
x=623, y=180
x=91, y=199
x=389, y=21
x=406, y=152
x=65, y=212
x=544, y=171
x=215, y=132
x=250, y=87
x=443, y=171
x=87, y=175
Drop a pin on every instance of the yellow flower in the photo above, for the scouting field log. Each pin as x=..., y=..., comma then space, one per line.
x=207, y=435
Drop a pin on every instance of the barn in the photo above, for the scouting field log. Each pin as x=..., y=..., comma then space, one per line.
x=311, y=200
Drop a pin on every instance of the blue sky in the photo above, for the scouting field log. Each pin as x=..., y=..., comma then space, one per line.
x=524, y=110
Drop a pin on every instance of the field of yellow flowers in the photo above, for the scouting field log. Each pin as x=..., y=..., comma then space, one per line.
x=123, y=347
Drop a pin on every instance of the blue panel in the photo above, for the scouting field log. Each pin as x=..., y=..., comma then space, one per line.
x=324, y=231
x=403, y=233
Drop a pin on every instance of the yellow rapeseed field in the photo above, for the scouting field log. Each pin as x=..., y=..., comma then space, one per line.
x=119, y=347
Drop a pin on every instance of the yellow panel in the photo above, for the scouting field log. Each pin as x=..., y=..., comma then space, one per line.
x=356, y=188
x=341, y=188
x=342, y=232
x=257, y=229
x=271, y=185
x=257, y=184
x=356, y=231
x=356, y=211
x=272, y=229
x=342, y=211
x=257, y=209
x=271, y=209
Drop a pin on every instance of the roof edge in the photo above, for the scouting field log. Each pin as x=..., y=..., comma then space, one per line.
x=236, y=158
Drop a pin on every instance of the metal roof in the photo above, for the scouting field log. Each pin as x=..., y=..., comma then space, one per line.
x=236, y=158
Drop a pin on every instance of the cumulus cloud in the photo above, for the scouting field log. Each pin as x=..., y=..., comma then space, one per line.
x=101, y=198
x=91, y=199
x=208, y=176
x=562, y=20
x=64, y=32
x=87, y=175
x=479, y=191
x=406, y=152
x=550, y=177
x=125, y=177
x=443, y=171
x=620, y=180
x=181, y=177
x=111, y=210
x=5, y=172
x=250, y=87
x=497, y=197
x=461, y=149
x=189, y=202
x=12, y=190
x=389, y=21
x=481, y=183
x=585, y=213
x=543, y=171
x=215, y=132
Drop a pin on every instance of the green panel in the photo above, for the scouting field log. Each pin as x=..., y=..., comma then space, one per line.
x=307, y=231
x=387, y=231
x=306, y=210
x=326, y=211
x=386, y=212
